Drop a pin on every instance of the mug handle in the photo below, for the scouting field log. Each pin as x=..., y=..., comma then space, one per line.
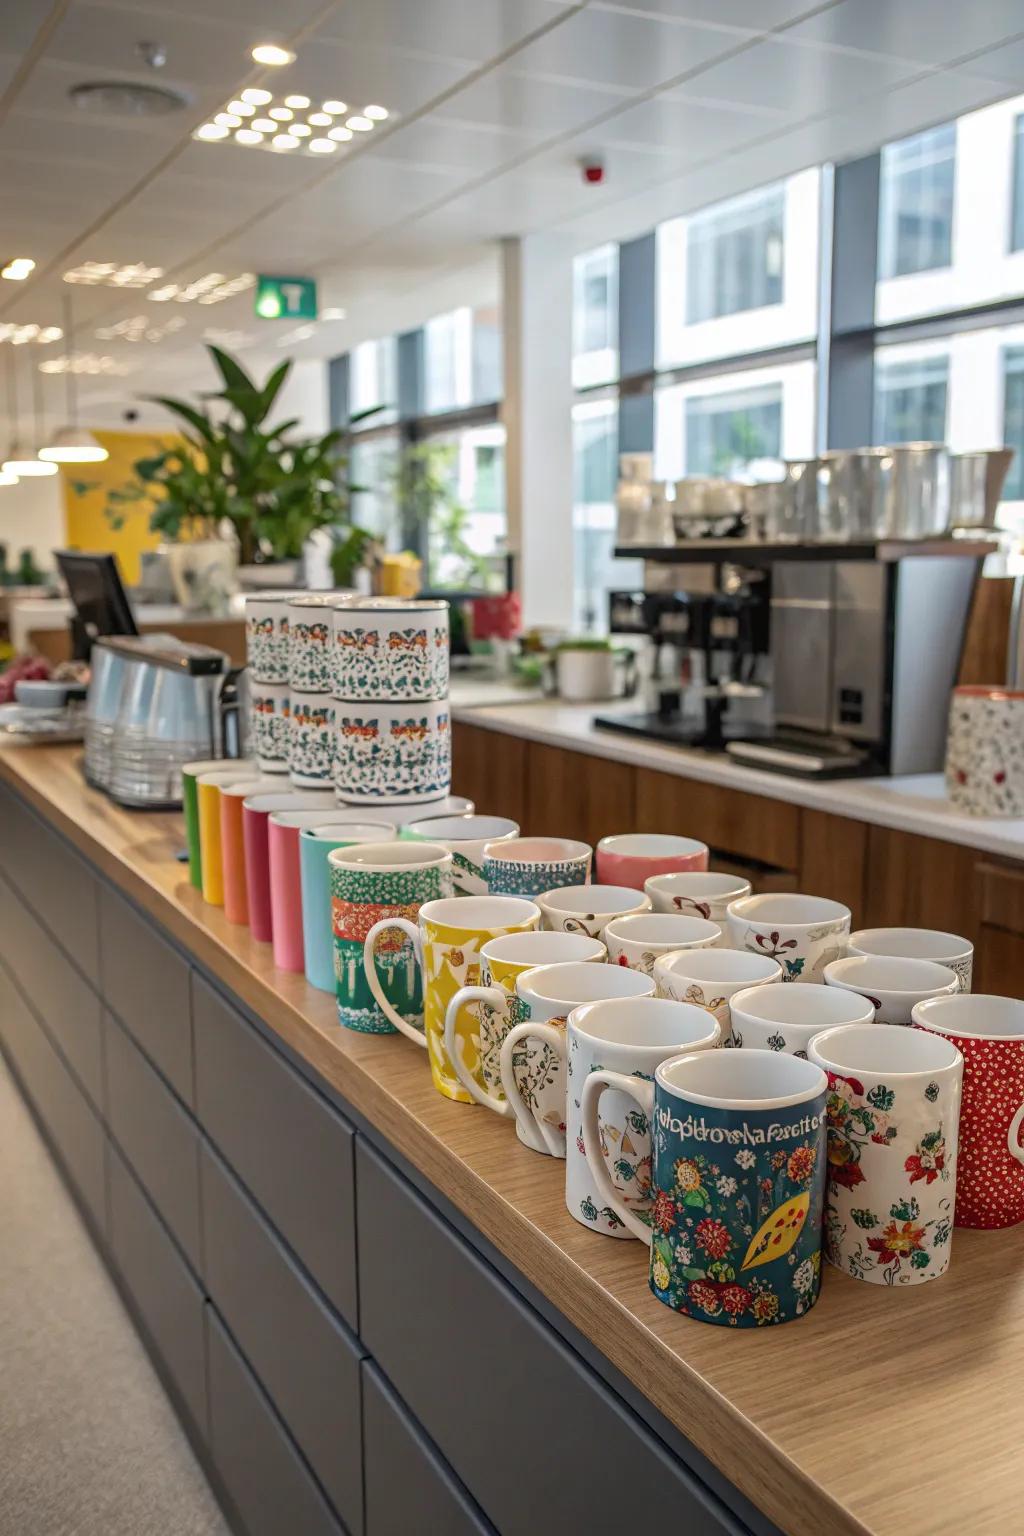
x=451, y=1044
x=374, y=982
x=537, y=1135
x=1013, y=1136
x=643, y=1093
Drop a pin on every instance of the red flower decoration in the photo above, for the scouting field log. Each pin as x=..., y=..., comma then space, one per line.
x=736, y=1299
x=713, y=1237
x=961, y=776
x=801, y=1164
x=917, y=1169
x=664, y=1212
x=1000, y=777
x=849, y=1175
x=705, y=1296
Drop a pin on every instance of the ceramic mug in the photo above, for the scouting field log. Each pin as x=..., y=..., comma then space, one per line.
x=315, y=843
x=445, y=805
x=256, y=811
x=803, y=933
x=283, y=859
x=918, y=944
x=211, y=859
x=502, y=962
x=893, y=1111
x=632, y=1037
x=266, y=636
x=311, y=740
x=309, y=642
x=738, y=1182
x=778, y=1017
x=447, y=938
x=589, y=908
x=988, y=1032
x=384, y=648
x=984, y=763
x=640, y=940
x=710, y=978
x=370, y=883
x=466, y=837
x=268, y=704
x=697, y=893
x=532, y=1060
x=892, y=986
x=232, y=843
x=390, y=753
x=190, y=804
x=633, y=857
x=528, y=866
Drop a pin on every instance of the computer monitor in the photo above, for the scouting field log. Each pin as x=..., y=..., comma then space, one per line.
x=101, y=604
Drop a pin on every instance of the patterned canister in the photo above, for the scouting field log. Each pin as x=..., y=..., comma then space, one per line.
x=309, y=641
x=266, y=636
x=269, y=705
x=384, y=648
x=985, y=751
x=311, y=740
x=392, y=753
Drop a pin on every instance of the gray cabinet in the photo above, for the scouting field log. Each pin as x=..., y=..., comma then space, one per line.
x=408, y=1486
x=255, y=1459
x=306, y=1360
x=145, y=982
x=54, y=879
x=293, y=1152
x=524, y=1423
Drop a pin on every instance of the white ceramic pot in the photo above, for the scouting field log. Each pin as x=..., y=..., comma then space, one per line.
x=777, y=1017
x=392, y=753
x=311, y=740
x=589, y=908
x=384, y=648
x=638, y=941
x=309, y=641
x=266, y=636
x=985, y=751
x=803, y=933
x=585, y=676
x=893, y=986
x=697, y=893
x=268, y=703
x=918, y=944
x=203, y=574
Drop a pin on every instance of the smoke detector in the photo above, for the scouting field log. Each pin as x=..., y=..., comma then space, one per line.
x=127, y=98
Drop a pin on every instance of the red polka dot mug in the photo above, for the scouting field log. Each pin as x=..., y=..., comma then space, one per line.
x=989, y=1033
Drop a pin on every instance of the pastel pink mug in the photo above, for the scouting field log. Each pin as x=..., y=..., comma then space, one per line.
x=256, y=813
x=633, y=857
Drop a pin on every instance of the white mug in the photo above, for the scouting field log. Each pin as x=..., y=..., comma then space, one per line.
x=892, y=985
x=918, y=944
x=589, y=908
x=697, y=893
x=639, y=940
x=465, y=837
x=709, y=978
x=532, y=1059
x=632, y=1037
x=803, y=933
x=778, y=1017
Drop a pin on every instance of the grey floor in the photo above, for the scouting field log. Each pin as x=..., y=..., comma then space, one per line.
x=89, y=1445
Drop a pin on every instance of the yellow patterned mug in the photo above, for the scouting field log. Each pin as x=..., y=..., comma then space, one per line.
x=448, y=938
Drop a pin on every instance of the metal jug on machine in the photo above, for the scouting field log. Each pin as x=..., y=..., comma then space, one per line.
x=976, y=483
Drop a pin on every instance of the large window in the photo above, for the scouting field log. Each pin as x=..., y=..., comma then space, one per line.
x=462, y=360
x=466, y=534
x=737, y=425
x=596, y=572
x=1017, y=225
x=373, y=382
x=734, y=256
x=595, y=317
x=726, y=432
x=372, y=465
x=910, y=397
x=915, y=212
x=1013, y=420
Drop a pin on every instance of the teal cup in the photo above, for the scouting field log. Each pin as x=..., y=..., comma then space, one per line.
x=315, y=843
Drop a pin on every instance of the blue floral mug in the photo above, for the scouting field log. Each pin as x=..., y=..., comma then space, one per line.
x=738, y=1182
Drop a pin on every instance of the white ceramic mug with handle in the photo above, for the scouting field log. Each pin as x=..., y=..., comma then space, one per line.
x=709, y=978
x=778, y=1017
x=918, y=944
x=892, y=985
x=640, y=940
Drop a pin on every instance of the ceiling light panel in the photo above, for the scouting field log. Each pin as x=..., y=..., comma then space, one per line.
x=20, y=335
x=112, y=274
x=17, y=269
x=210, y=289
x=288, y=125
x=87, y=362
x=141, y=328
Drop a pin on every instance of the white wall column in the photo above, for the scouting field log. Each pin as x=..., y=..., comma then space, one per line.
x=537, y=318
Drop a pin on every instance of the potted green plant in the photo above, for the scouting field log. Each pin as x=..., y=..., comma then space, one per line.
x=585, y=668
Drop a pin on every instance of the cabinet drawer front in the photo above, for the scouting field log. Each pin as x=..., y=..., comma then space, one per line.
x=157, y=1279
x=157, y=1137
x=307, y=1362
x=54, y=880
x=74, y=1127
x=290, y=1149
x=408, y=1486
x=488, y=1379
x=145, y=982
x=61, y=996
x=259, y=1466
x=729, y=820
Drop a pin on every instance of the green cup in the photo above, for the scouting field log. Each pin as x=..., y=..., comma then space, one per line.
x=240, y=767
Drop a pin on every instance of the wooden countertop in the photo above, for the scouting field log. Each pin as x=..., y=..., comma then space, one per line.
x=883, y=1411
x=915, y=803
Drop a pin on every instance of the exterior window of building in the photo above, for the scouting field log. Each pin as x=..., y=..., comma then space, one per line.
x=725, y=433
x=1013, y=420
x=1017, y=225
x=467, y=537
x=372, y=467
x=373, y=382
x=915, y=212
x=910, y=399
x=595, y=445
x=737, y=424
x=461, y=360
x=595, y=317
x=734, y=256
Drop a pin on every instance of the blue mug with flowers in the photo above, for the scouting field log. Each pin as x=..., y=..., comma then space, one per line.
x=738, y=1182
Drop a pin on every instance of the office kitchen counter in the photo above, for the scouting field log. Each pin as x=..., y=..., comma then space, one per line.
x=882, y=1411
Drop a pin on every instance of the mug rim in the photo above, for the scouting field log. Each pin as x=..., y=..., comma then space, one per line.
x=357, y=857
x=244, y=787
x=580, y=900
x=598, y=954
x=223, y=776
x=666, y=962
x=685, y=847
x=834, y=974
x=462, y=902
x=326, y=829
x=738, y=1004
x=325, y=798
x=505, y=852
x=884, y=1035
x=470, y=837
x=660, y=882
x=214, y=764
x=580, y=1017
x=930, y=1005
x=619, y=972
x=297, y=819
x=837, y=913
x=730, y=1101
x=615, y=927
x=964, y=951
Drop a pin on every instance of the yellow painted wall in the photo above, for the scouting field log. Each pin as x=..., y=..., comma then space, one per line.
x=86, y=523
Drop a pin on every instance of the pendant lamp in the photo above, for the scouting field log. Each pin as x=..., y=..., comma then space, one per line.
x=72, y=444
x=21, y=460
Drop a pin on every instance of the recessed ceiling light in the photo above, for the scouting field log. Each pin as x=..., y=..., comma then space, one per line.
x=281, y=114
x=6, y=478
x=17, y=269
x=358, y=124
x=332, y=313
x=241, y=108
x=264, y=125
x=285, y=141
x=336, y=107
x=228, y=120
x=210, y=289
x=378, y=114
x=272, y=53
x=340, y=134
x=321, y=147
x=257, y=96
x=212, y=131
x=18, y=334
x=320, y=119
x=300, y=103
x=248, y=136
x=86, y=362
x=300, y=130
x=112, y=274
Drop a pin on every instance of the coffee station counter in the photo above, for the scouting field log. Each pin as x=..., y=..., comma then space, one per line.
x=333, y=1265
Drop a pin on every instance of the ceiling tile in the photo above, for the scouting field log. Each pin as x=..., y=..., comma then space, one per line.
x=621, y=49
x=799, y=80
x=400, y=79
x=507, y=99
x=99, y=38
x=473, y=29
x=750, y=15
x=935, y=31
x=1004, y=63
x=452, y=143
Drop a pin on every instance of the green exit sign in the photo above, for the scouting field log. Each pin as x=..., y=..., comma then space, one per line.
x=286, y=298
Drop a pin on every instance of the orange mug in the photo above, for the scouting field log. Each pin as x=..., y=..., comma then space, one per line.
x=232, y=844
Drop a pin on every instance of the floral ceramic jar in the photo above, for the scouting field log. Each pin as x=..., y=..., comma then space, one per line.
x=311, y=740
x=309, y=641
x=269, y=707
x=392, y=753
x=384, y=648
x=985, y=751
x=266, y=636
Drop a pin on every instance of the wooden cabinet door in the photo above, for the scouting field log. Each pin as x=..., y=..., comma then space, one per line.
x=920, y=882
x=489, y=767
x=751, y=826
x=571, y=794
x=833, y=858
x=999, y=962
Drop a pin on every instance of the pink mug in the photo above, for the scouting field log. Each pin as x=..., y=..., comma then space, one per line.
x=256, y=812
x=232, y=844
x=285, y=859
x=633, y=857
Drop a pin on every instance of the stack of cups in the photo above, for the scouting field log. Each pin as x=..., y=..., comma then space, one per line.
x=390, y=678
x=310, y=704
x=266, y=643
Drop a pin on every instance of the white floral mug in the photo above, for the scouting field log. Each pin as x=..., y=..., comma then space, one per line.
x=697, y=893
x=589, y=908
x=638, y=941
x=266, y=636
x=984, y=760
x=892, y=986
x=778, y=1017
x=803, y=933
x=268, y=703
x=918, y=944
x=309, y=642
x=709, y=978
x=311, y=740
x=390, y=753
x=386, y=648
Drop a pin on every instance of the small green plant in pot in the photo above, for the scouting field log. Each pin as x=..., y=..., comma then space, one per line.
x=584, y=668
